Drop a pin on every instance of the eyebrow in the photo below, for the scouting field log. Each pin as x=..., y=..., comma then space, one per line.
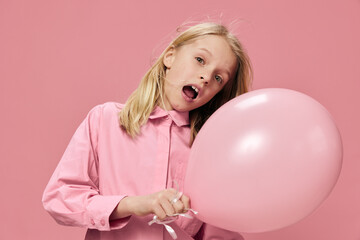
x=204, y=49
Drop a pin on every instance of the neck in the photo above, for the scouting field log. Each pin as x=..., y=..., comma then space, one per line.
x=164, y=103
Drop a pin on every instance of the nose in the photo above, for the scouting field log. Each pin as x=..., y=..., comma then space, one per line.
x=204, y=80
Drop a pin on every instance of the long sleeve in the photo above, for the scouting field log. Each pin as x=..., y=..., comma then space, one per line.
x=72, y=196
x=209, y=232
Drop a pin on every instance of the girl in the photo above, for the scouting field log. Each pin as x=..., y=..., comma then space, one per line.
x=124, y=162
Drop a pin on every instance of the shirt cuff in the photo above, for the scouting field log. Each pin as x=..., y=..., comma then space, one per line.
x=99, y=211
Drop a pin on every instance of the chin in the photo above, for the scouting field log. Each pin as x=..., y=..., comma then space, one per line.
x=182, y=108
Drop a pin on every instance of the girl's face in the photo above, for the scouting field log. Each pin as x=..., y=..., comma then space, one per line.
x=196, y=72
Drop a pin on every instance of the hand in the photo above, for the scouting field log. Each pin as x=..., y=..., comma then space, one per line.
x=159, y=203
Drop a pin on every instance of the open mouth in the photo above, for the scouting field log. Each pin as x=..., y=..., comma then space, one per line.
x=191, y=91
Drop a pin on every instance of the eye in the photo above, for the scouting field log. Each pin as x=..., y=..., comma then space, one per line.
x=218, y=79
x=200, y=60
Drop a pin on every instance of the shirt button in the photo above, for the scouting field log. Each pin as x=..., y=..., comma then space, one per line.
x=92, y=221
x=102, y=222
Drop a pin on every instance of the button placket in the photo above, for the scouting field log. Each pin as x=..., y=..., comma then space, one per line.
x=163, y=148
x=168, y=152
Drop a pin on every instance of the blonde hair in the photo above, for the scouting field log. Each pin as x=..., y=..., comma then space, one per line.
x=143, y=100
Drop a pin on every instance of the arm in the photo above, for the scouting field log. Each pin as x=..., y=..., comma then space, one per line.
x=72, y=195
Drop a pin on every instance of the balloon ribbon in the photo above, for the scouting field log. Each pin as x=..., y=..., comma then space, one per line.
x=170, y=219
x=173, y=217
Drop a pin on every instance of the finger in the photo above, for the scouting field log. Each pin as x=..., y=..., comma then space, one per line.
x=171, y=191
x=176, y=197
x=166, y=194
x=159, y=212
x=179, y=206
x=186, y=201
x=176, y=202
x=167, y=206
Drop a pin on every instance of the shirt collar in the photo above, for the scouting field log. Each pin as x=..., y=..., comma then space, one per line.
x=180, y=118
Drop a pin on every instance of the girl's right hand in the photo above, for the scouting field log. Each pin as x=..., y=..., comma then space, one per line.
x=161, y=204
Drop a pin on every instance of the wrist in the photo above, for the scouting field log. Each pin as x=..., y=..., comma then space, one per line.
x=122, y=210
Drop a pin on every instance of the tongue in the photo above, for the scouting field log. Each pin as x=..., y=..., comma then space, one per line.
x=189, y=92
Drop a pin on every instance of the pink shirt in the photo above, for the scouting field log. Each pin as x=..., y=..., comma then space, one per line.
x=102, y=165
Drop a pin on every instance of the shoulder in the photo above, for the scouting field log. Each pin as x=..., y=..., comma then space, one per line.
x=105, y=111
x=108, y=107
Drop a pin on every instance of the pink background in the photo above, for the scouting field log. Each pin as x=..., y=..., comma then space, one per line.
x=58, y=59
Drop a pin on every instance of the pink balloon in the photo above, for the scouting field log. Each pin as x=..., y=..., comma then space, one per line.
x=263, y=161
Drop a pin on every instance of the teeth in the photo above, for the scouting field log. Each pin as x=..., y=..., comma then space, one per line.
x=195, y=89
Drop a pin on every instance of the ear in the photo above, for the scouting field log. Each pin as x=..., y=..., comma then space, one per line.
x=169, y=57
